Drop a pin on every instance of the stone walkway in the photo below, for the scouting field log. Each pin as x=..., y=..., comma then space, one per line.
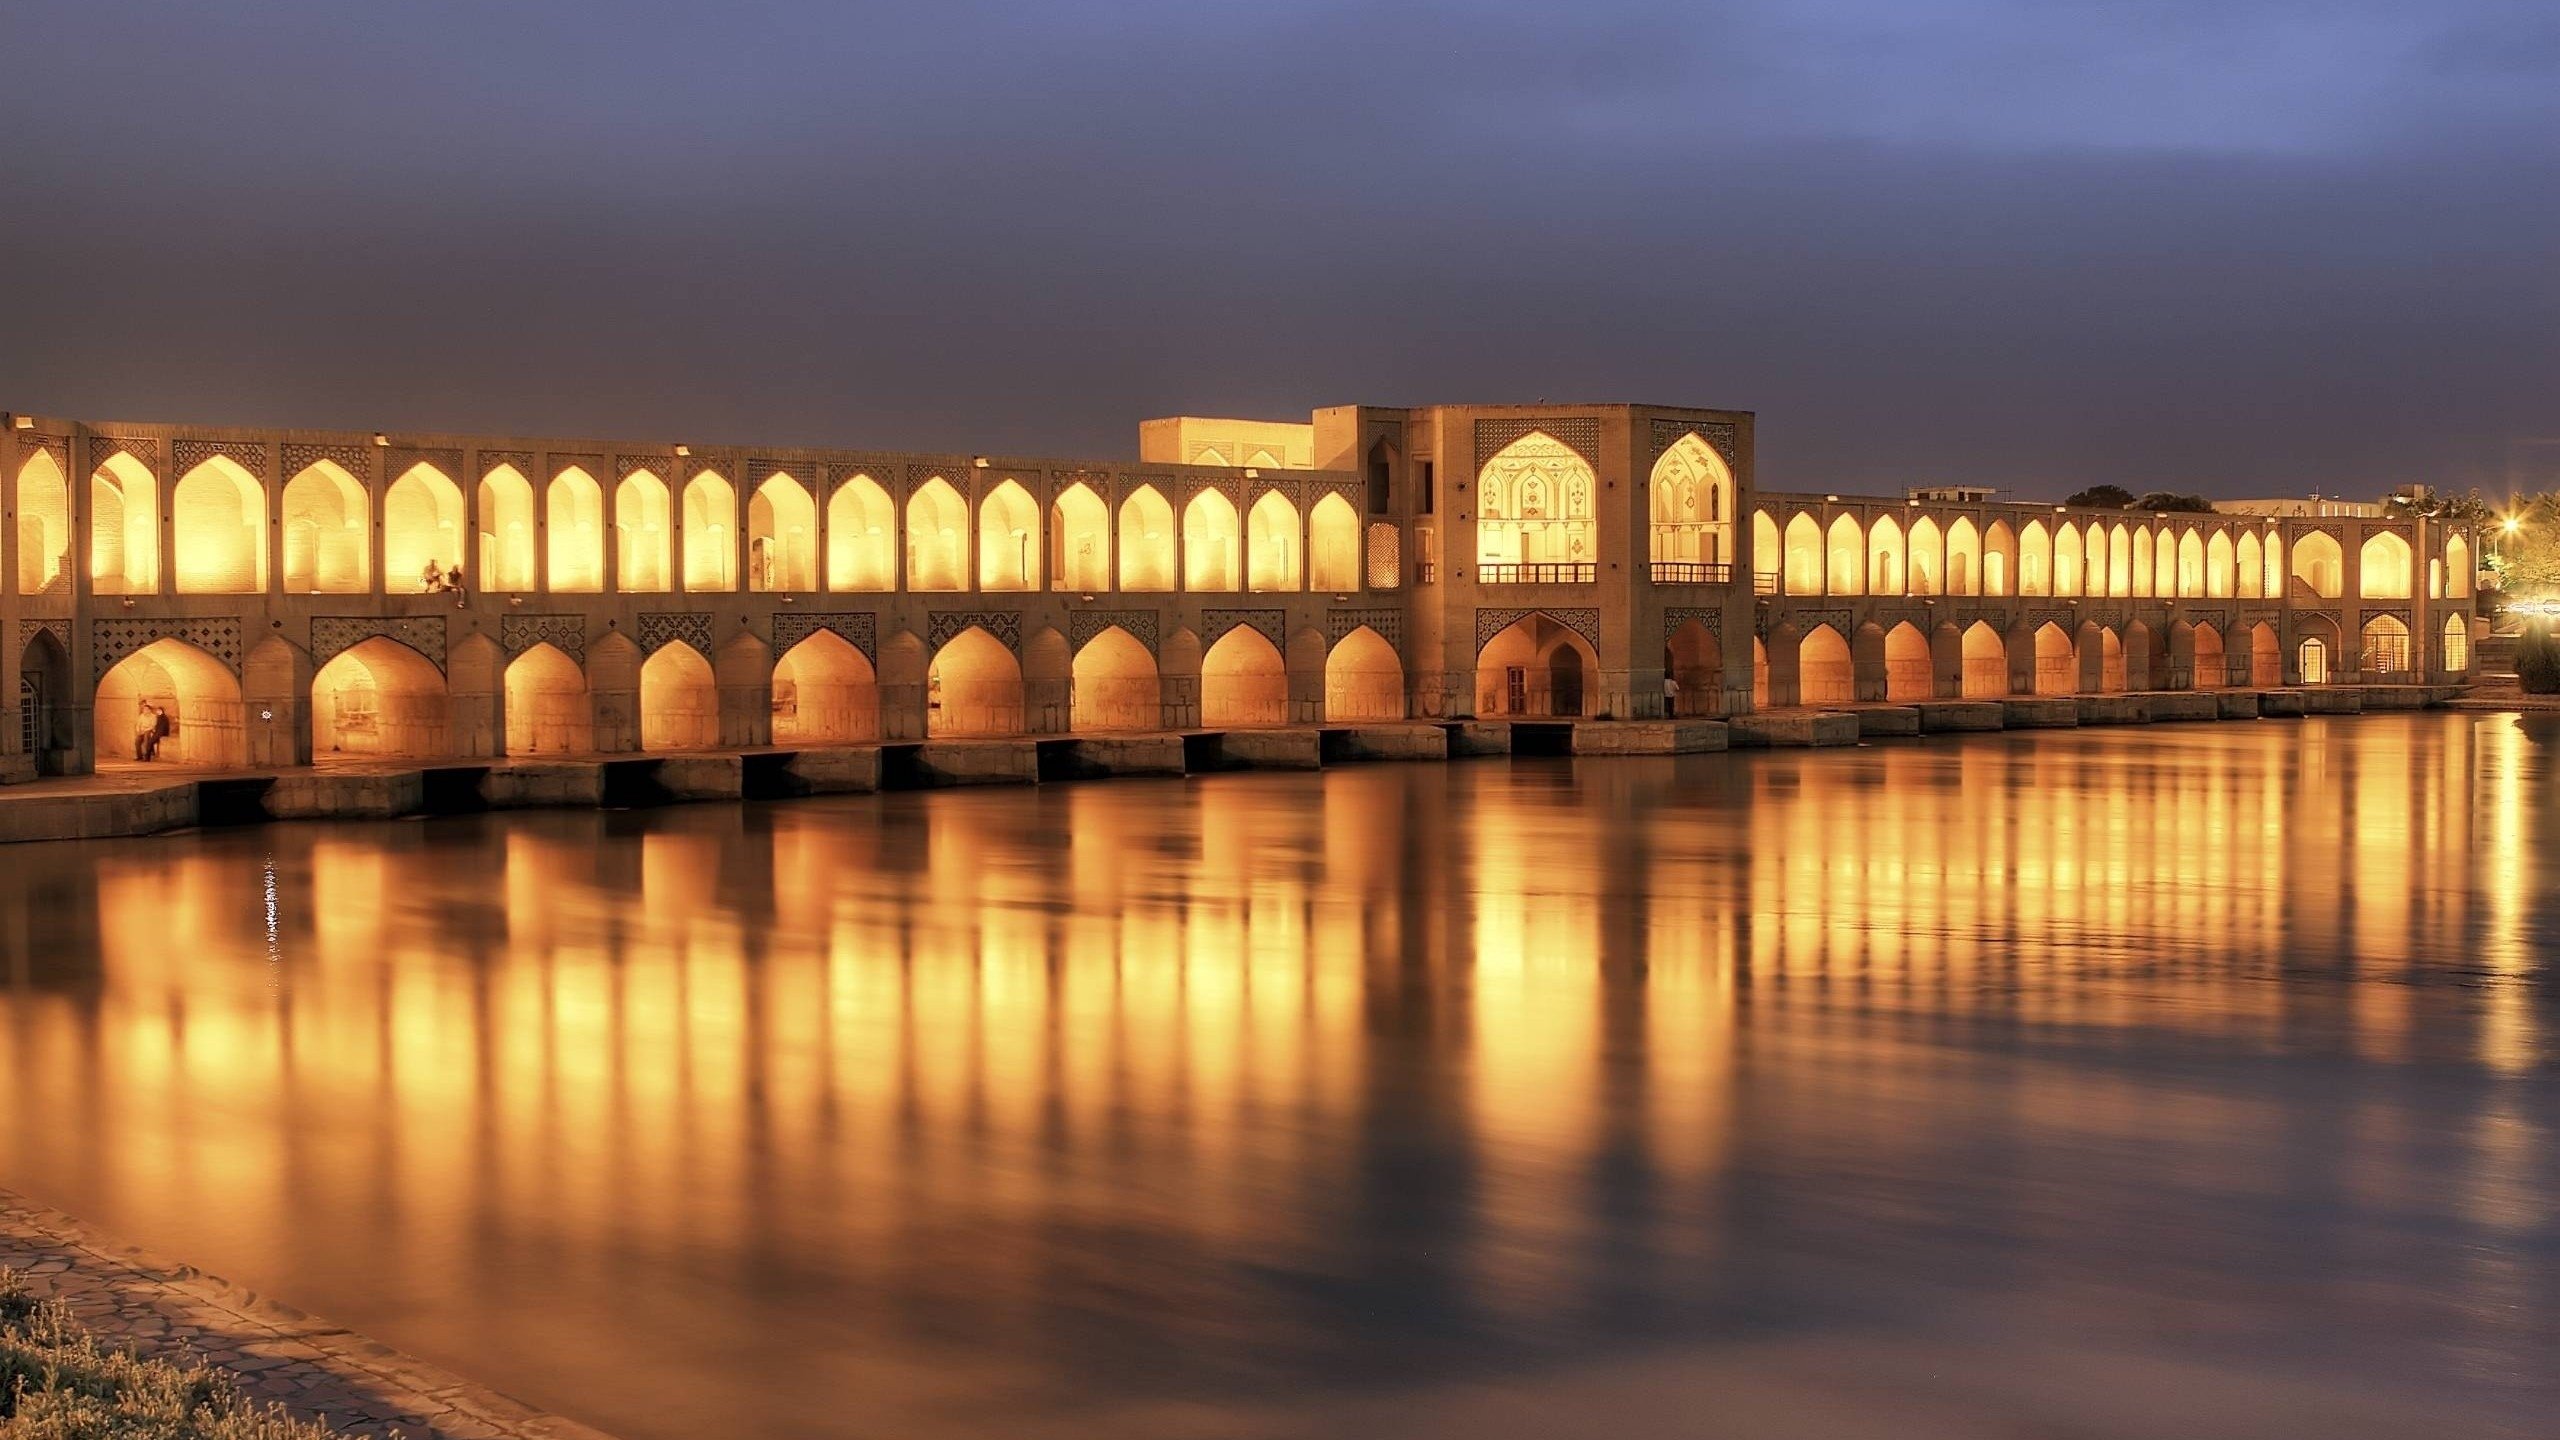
x=316, y=1369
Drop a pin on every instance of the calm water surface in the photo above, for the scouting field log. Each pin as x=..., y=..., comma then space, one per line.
x=2182, y=1081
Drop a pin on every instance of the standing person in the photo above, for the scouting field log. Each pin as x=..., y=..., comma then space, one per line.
x=1670, y=694
x=161, y=725
x=146, y=730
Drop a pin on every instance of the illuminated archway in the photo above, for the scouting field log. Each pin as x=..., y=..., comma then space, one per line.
x=2384, y=569
x=2057, y=663
x=44, y=526
x=2386, y=646
x=643, y=538
x=2066, y=559
x=1804, y=556
x=2266, y=656
x=1008, y=540
x=506, y=531
x=379, y=697
x=2165, y=580
x=710, y=533
x=575, y=514
x=1534, y=505
x=1692, y=505
x=1884, y=557
x=1848, y=555
x=1272, y=544
x=1909, y=673
x=679, y=700
x=782, y=536
x=219, y=513
x=1243, y=681
x=2096, y=574
x=1209, y=540
x=205, y=728
x=1768, y=553
x=124, y=527
x=2219, y=576
x=1536, y=667
x=2457, y=643
x=1999, y=559
x=547, y=705
x=2111, y=668
x=44, y=697
x=1964, y=557
x=1825, y=672
x=2190, y=570
x=2207, y=669
x=1146, y=541
x=2458, y=568
x=1080, y=540
x=1695, y=663
x=974, y=688
x=937, y=537
x=1116, y=686
x=327, y=532
x=862, y=537
x=1928, y=564
x=2248, y=570
x=825, y=693
x=1333, y=545
x=1986, y=661
x=2035, y=560
x=1363, y=679
x=2142, y=568
x=2320, y=563
x=2120, y=561
x=422, y=529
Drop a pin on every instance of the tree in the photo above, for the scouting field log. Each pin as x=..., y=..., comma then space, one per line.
x=2101, y=497
x=2527, y=559
x=2168, y=500
x=2538, y=661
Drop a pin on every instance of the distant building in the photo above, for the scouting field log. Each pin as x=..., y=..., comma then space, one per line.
x=1952, y=494
x=2309, y=507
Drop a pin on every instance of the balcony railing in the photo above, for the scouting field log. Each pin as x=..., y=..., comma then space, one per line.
x=1691, y=572
x=1540, y=574
x=1764, y=582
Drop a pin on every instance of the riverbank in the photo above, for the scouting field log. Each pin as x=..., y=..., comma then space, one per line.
x=140, y=800
x=316, y=1370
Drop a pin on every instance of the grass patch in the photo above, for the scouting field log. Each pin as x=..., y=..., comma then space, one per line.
x=59, y=1382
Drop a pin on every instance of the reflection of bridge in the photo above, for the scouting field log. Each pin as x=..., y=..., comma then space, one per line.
x=290, y=595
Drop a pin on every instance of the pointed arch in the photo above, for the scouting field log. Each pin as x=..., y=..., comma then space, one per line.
x=2164, y=580
x=862, y=537
x=1536, y=666
x=1910, y=673
x=44, y=526
x=973, y=688
x=328, y=531
x=1999, y=559
x=2266, y=656
x=2066, y=559
x=2386, y=646
x=1825, y=673
x=1209, y=541
x=1692, y=505
x=422, y=529
x=1146, y=541
x=1846, y=572
x=1694, y=660
x=45, y=700
x=2142, y=567
x=2457, y=644
x=1333, y=545
x=2208, y=666
x=2219, y=575
x=1768, y=553
x=643, y=539
x=574, y=514
x=1804, y=555
x=1363, y=679
x=679, y=700
x=2120, y=564
x=506, y=531
x=2319, y=564
x=1927, y=568
x=2248, y=569
x=2272, y=583
x=2057, y=663
x=1986, y=663
x=219, y=515
x=2384, y=570
x=205, y=727
x=380, y=698
x=825, y=693
x=782, y=536
x=2190, y=576
x=711, y=533
x=1885, y=569
x=1272, y=544
x=1243, y=681
x=1079, y=540
x=2459, y=571
x=2096, y=574
x=1534, y=505
x=937, y=537
x=1964, y=557
x=1116, y=685
x=546, y=702
x=124, y=527
x=2035, y=560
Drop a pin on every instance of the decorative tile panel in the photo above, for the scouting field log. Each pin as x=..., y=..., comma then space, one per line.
x=112, y=640
x=693, y=627
x=1584, y=622
x=1579, y=433
x=331, y=634
x=249, y=455
x=561, y=464
x=1805, y=620
x=356, y=460
x=57, y=446
x=857, y=628
x=1388, y=623
x=401, y=460
x=1083, y=625
x=58, y=628
x=1274, y=625
x=1722, y=436
x=521, y=461
x=1675, y=616
x=944, y=626
x=103, y=448
x=662, y=466
x=564, y=633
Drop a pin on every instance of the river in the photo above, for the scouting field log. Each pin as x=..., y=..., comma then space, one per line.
x=2171, y=1081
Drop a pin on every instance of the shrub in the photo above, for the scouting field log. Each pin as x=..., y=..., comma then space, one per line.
x=2538, y=661
x=59, y=1382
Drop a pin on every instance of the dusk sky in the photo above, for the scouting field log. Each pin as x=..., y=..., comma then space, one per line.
x=2238, y=246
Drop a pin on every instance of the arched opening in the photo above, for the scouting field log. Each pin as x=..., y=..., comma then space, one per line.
x=1116, y=684
x=2110, y=661
x=2386, y=647
x=679, y=700
x=2208, y=669
x=937, y=538
x=2190, y=571
x=575, y=514
x=422, y=529
x=2035, y=560
x=1909, y=674
x=44, y=705
x=2266, y=656
x=2247, y=569
x=1535, y=667
x=124, y=527
x=1363, y=679
x=2315, y=661
x=193, y=716
x=1804, y=556
x=219, y=513
x=1694, y=661
x=974, y=688
x=2142, y=567
x=1008, y=540
x=2458, y=569
x=824, y=693
x=1534, y=508
x=2272, y=584
x=44, y=526
x=2066, y=560
x=2318, y=565
x=2383, y=568
x=1271, y=544
x=1146, y=540
x=1768, y=553
x=547, y=705
x=642, y=538
x=2120, y=561
x=862, y=537
x=711, y=533
x=2457, y=643
x=2057, y=663
x=379, y=697
x=506, y=530
x=2095, y=577
x=1333, y=545
x=1884, y=557
x=1928, y=565
x=1080, y=540
x=1999, y=559
x=1209, y=543
x=1846, y=573
x=2164, y=580
x=1243, y=681
x=1825, y=673
x=2218, y=574
x=782, y=537
x=1964, y=558
x=1692, y=506
x=1986, y=661
x=327, y=530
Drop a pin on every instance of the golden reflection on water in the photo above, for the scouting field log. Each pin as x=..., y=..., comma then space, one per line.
x=1005, y=1107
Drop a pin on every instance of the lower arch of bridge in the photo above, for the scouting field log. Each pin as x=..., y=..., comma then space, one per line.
x=825, y=693
x=1535, y=667
x=1825, y=673
x=2103, y=649
x=1986, y=662
x=199, y=694
x=1243, y=681
x=973, y=688
x=1908, y=673
x=679, y=700
x=1363, y=678
x=1695, y=663
x=1116, y=686
x=379, y=697
x=546, y=705
x=2266, y=656
x=2207, y=667
x=2057, y=662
